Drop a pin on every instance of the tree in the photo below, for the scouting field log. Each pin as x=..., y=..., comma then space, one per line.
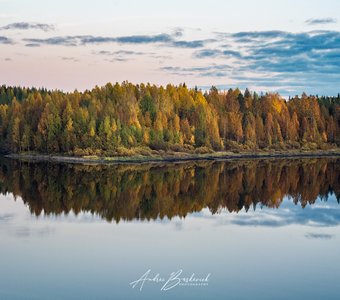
x=293, y=126
x=147, y=105
x=108, y=118
x=185, y=129
x=26, y=138
x=260, y=134
x=250, y=130
x=15, y=135
x=269, y=128
x=49, y=129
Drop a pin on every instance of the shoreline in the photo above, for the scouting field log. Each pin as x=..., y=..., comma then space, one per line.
x=174, y=158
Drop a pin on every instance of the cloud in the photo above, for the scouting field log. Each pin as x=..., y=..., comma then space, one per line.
x=320, y=236
x=68, y=58
x=92, y=39
x=120, y=55
x=211, y=70
x=25, y=26
x=278, y=59
x=78, y=40
x=119, y=52
x=216, y=53
x=126, y=55
x=320, y=21
x=58, y=40
x=316, y=52
x=274, y=45
x=259, y=34
x=178, y=31
x=32, y=45
x=5, y=40
x=166, y=39
x=188, y=44
x=144, y=39
x=207, y=53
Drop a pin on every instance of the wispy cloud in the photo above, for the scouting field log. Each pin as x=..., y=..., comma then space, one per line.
x=119, y=52
x=320, y=21
x=58, y=40
x=258, y=34
x=125, y=55
x=120, y=55
x=26, y=26
x=178, y=31
x=212, y=70
x=88, y=39
x=163, y=38
x=189, y=44
x=32, y=45
x=5, y=40
x=69, y=58
x=144, y=39
x=216, y=53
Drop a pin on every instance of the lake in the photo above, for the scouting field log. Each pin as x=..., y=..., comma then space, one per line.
x=245, y=229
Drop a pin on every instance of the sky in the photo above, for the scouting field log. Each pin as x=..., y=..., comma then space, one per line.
x=288, y=46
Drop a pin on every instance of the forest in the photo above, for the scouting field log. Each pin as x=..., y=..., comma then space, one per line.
x=128, y=119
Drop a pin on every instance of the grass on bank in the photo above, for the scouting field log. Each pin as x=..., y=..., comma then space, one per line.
x=176, y=152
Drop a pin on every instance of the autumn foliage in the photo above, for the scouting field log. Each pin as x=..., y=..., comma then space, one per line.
x=121, y=118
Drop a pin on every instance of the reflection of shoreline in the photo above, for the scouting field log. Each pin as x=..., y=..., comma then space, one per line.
x=176, y=157
x=149, y=192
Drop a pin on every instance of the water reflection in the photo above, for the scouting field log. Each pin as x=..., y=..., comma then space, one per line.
x=321, y=236
x=129, y=192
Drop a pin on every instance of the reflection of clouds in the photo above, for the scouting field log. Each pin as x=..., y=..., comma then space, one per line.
x=321, y=214
x=25, y=231
x=4, y=218
x=320, y=21
x=70, y=217
x=320, y=217
x=321, y=236
x=178, y=225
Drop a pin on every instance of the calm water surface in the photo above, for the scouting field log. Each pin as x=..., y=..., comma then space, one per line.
x=261, y=229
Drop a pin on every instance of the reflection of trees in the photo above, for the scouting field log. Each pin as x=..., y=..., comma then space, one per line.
x=149, y=191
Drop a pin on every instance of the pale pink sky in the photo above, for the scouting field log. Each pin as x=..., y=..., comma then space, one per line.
x=263, y=45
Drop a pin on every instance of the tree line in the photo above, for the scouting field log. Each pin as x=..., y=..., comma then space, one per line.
x=126, y=119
